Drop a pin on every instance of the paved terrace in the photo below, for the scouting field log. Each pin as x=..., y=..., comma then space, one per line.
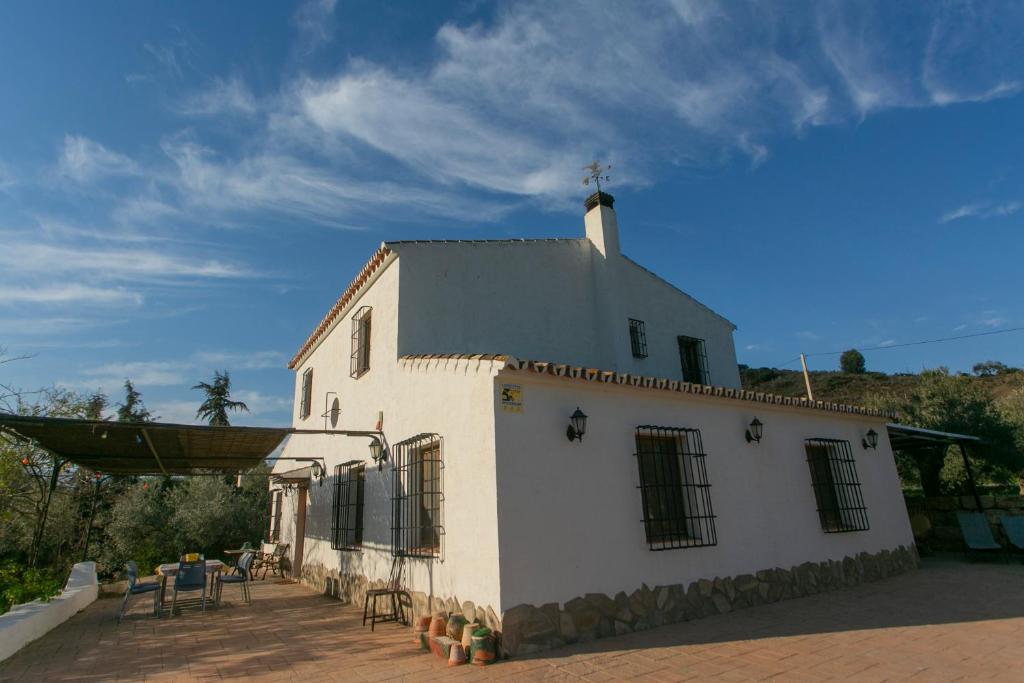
x=948, y=621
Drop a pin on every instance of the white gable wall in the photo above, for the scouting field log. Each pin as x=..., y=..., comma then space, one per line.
x=570, y=514
x=551, y=300
x=456, y=405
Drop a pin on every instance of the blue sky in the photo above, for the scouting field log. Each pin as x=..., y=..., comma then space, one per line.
x=189, y=186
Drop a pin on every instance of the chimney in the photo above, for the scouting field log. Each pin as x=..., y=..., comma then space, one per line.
x=601, y=224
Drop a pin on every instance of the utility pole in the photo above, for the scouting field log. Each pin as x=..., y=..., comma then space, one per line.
x=807, y=378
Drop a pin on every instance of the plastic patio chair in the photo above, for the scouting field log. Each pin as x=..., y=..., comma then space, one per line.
x=136, y=588
x=1014, y=528
x=242, y=578
x=977, y=533
x=191, y=576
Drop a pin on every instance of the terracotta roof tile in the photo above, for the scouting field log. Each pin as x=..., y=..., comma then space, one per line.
x=361, y=279
x=657, y=383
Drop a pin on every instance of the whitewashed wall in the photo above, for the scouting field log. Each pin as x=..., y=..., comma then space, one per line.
x=570, y=514
x=455, y=403
x=557, y=300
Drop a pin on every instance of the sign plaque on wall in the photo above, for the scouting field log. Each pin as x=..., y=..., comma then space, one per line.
x=511, y=398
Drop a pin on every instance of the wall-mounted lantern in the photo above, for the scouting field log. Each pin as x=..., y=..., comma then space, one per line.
x=577, y=426
x=870, y=440
x=378, y=452
x=755, y=431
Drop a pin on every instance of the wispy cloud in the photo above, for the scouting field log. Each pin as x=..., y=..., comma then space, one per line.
x=313, y=19
x=142, y=373
x=252, y=360
x=7, y=177
x=27, y=256
x=182, y=372
x=808, y=335
x=85, y=160
x=982, y=210
x=70, y=293
x=230, y=96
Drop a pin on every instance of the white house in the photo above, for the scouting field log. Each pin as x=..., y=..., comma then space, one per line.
x=473, y=356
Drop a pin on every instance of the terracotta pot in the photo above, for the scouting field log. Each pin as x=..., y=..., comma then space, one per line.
x=457, y=656
x=438, y=626
x=467, y=635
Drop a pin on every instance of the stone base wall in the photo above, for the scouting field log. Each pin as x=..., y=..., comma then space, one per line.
x=352, y=588
x=942, y=532
x=527, y=629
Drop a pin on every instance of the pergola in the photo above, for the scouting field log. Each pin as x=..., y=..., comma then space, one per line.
x=909, y=439
x=157, y=448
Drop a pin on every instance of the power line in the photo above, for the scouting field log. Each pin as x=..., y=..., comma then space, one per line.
x=919, y=343
x=897, y=346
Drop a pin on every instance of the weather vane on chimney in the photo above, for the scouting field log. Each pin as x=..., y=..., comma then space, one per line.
x=596, y=174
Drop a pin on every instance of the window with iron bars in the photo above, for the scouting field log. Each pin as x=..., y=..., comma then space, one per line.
x=347, y=520
x=360, y=342
x=638, y=338
x=836, y=486
x=417, y=520
x=275, y=517
x=674, y=488
x=694, y=359
x=306, y=400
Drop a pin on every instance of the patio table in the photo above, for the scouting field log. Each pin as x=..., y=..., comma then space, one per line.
x=236, y=554
x=171, y=569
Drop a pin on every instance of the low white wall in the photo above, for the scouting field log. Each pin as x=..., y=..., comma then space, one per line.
x=32, y=620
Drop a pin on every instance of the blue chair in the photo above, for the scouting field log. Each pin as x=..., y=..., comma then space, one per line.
x=1014, y=528
x=136, y=588
x=241, y=579
x=191, y=576
x=977, y=534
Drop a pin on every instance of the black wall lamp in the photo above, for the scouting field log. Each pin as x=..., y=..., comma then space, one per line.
x=755, y=431
x=379, y=452
x=577, y=426
x=870, y=440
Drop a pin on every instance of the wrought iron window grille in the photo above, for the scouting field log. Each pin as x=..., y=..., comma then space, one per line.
x=306, y=400
x=417, y=519
x=836, y=486
x=638, y=338
x=276, y=501
x=694, y=359
x=347, y=518
x=360, y=359
x=674, y=489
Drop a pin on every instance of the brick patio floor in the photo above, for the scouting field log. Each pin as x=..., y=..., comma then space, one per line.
x=947, y=621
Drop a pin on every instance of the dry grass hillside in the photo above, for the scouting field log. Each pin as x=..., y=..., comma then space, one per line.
x=855, y=389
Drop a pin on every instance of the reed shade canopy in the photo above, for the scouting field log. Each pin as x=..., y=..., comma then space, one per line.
x=150, y=447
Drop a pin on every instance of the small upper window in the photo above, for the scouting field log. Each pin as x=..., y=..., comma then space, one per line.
x=276, y=501
x=836, y=486
x=306, y=400
x=360, y=342
x=638, y=338
x=694, y=359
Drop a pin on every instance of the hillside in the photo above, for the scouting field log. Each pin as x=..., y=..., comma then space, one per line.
x=855, y=389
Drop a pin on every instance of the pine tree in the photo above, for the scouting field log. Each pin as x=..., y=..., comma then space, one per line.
x=218, y=400
x=132, y=410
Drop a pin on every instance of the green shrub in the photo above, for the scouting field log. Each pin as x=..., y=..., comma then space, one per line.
x=19, y=584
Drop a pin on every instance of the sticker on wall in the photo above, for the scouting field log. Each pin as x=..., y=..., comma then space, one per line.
x=512, y=398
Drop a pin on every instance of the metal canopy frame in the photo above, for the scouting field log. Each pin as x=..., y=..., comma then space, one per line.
x=907, y=439
x=157, y=448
